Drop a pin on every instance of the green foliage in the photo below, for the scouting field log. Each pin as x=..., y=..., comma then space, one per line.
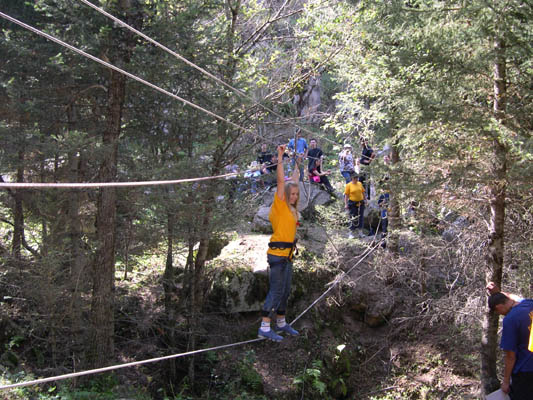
x=14, y=342
x=250, y=379
x=311, y=380
x=241, y=382
x=341, y=370
x=102, y=388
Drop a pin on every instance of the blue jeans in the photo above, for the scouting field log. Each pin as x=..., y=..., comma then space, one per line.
x=357, y=212
x=347, y=176
x=280, y=285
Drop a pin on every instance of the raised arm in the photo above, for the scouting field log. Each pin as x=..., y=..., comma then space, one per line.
x=280, y=173
x=494, y=288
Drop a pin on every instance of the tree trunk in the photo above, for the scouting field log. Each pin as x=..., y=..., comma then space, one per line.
x=192, y=317
x=197, y=288
x=18, y=211
x=497, y=188
x=393, y=214
x=232, y=9
x=101, y=344
x=76, y=259
x=170, y=298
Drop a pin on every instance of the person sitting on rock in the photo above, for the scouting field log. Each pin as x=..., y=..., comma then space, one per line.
x=264, y=155
x=313, y=154
x=268, y=171
x=284, y=219
x=253, y=174
x=354, y=202
x=318, y=176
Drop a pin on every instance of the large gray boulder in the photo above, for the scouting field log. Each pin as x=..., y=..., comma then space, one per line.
x=373, y=305
x=261, y=222
x=239, y=276
x=311, y=195
x=237, y=289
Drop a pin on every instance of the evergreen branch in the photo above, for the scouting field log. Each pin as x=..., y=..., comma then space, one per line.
x=259, y=31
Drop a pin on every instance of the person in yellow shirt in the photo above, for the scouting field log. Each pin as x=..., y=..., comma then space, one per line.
x=284, y=219
x=354, y=202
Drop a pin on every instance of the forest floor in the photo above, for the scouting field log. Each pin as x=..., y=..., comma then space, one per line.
x=337, y=355
x=414, y=355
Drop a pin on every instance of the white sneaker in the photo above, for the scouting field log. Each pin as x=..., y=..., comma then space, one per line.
x=351, y=236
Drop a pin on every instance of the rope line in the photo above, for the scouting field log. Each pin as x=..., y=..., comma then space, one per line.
x=200, y=69
x=337, y=280
x=88, y=185
x=29, y=185
x=126, y=365
x=113, y=67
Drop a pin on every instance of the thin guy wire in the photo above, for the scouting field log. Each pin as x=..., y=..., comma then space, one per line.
x=202, y=70
x=134, y=77
x=151, y=360
x=108, y=65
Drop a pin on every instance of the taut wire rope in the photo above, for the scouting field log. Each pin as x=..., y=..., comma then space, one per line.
x=134, y=77
x=198, y=68
x=363, y=256
x=126, y=365
x=130, y=75
x=30, y=185
x=113, y=67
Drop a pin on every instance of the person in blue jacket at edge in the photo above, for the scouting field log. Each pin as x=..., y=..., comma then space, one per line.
x=516, y=332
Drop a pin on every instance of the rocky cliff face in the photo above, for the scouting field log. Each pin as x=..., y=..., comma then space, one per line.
x=308, y=100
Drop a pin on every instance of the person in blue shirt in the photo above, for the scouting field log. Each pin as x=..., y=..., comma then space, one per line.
x=300, y=152
x=518, y=360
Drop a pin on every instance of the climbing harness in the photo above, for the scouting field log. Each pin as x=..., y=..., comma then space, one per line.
x=285, y=245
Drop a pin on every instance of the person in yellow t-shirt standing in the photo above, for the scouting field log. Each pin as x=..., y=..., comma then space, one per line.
x=284, y=219
x=354, y=202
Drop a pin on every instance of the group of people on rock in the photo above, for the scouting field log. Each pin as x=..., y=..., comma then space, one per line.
x=354, y=168
x=517, y=332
